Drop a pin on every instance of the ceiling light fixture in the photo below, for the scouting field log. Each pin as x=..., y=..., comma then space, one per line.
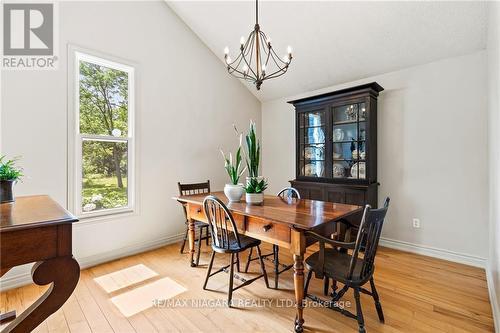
x=257, y=60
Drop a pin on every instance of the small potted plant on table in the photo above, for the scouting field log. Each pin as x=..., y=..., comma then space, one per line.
x=255, y=191
x=9, y=175
x=234, y=191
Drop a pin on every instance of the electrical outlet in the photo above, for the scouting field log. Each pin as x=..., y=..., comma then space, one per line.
x=416, y=223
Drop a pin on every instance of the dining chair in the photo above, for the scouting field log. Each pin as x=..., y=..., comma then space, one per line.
x=226, y=239
x=352, y=270
x=288, y=194
x=189, y=189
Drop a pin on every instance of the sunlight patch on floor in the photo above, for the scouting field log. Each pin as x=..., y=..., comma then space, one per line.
x=125, y=278
x=142, y=298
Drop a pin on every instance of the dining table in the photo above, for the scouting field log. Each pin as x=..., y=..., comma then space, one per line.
x=277, y=221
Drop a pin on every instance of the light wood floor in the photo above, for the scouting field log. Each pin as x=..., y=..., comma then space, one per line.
x=418, y=294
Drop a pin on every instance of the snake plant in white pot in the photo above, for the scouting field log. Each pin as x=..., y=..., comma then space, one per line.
x=255, y=191
x=234, y=191
x=255, y=184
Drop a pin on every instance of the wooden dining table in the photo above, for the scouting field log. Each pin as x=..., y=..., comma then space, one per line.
x=277, y=221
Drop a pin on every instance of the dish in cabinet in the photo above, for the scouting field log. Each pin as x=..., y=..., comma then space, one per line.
x=338, y=134
x=362, y=170
x=338, y=170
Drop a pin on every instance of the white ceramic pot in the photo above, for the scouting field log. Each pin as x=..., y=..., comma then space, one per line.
x=254, y=198
x=234, y=192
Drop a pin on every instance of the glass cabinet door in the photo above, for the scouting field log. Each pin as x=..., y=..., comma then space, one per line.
x=349, y=141
x=312, y=126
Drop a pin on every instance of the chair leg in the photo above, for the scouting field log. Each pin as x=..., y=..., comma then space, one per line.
x=308, y=279
x=231, y=275
x=200, y=236
x=248, y=260
x=207, y=235
x=262, y=267
x=276, y=250
x=359, y=311
x=184, y=240
x=238, y=262
x=209, y=270
x=326, y=285
x=334, y=289
x=378, y=306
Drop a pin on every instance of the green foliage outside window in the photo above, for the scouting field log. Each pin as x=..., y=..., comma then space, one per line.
x=103, y=112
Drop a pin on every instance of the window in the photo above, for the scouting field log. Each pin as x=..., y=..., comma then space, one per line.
x=104, y=136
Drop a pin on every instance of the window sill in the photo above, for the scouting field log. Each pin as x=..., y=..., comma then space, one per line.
x=98, y=217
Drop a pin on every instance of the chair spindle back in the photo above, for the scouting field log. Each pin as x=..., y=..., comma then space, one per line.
x=367, y=240
x=221, y=222
x=194, y=188
x=289, y=193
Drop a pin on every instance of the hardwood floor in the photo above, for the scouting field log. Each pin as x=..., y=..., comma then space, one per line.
x=418, y=294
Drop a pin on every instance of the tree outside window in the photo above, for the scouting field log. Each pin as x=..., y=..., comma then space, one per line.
x=105, y=138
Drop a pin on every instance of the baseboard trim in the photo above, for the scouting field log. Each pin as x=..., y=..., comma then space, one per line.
x=15, y=281
x=97, y=259
x=495, y=307
x=22, y=279
x=430, y=251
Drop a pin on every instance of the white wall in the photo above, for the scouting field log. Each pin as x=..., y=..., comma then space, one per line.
x=432, y=143
x=186, y=104
x=494, y=156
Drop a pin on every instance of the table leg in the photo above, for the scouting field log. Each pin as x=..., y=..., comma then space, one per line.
x=191, y=242
x=298, y=249
x=63, y=274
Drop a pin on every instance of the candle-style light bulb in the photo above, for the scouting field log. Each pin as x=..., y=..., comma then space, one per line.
x=263, y=68
x=242, y=40
x=228, y=60
x=268, y=41
x=289, y=49
x=226, y=50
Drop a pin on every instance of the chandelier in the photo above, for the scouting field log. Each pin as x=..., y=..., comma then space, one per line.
x=257, y=61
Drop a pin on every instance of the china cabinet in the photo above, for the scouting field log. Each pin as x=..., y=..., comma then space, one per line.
x=336, y=145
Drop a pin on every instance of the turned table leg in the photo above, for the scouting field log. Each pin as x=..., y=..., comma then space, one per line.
x=63, y=274
x=191, y=242
x=298, y=249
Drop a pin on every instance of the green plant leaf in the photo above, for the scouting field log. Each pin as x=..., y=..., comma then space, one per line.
x=9, y=170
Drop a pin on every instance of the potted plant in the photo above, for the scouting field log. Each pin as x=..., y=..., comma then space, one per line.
x=256, y=184
x=9, y=174
x=234, y=191
x=253, y=153
x=255, y=191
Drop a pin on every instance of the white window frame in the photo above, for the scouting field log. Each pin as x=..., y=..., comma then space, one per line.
x=76, y=139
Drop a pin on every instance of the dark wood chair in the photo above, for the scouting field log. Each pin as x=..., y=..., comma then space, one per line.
x=290, y=195
x=226, y=239
x=352, y=269
x=200, y=227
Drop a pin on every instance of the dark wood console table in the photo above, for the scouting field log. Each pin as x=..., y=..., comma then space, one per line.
x=36, y=229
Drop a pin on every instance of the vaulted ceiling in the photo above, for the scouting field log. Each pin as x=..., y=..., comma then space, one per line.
x=337, y=42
